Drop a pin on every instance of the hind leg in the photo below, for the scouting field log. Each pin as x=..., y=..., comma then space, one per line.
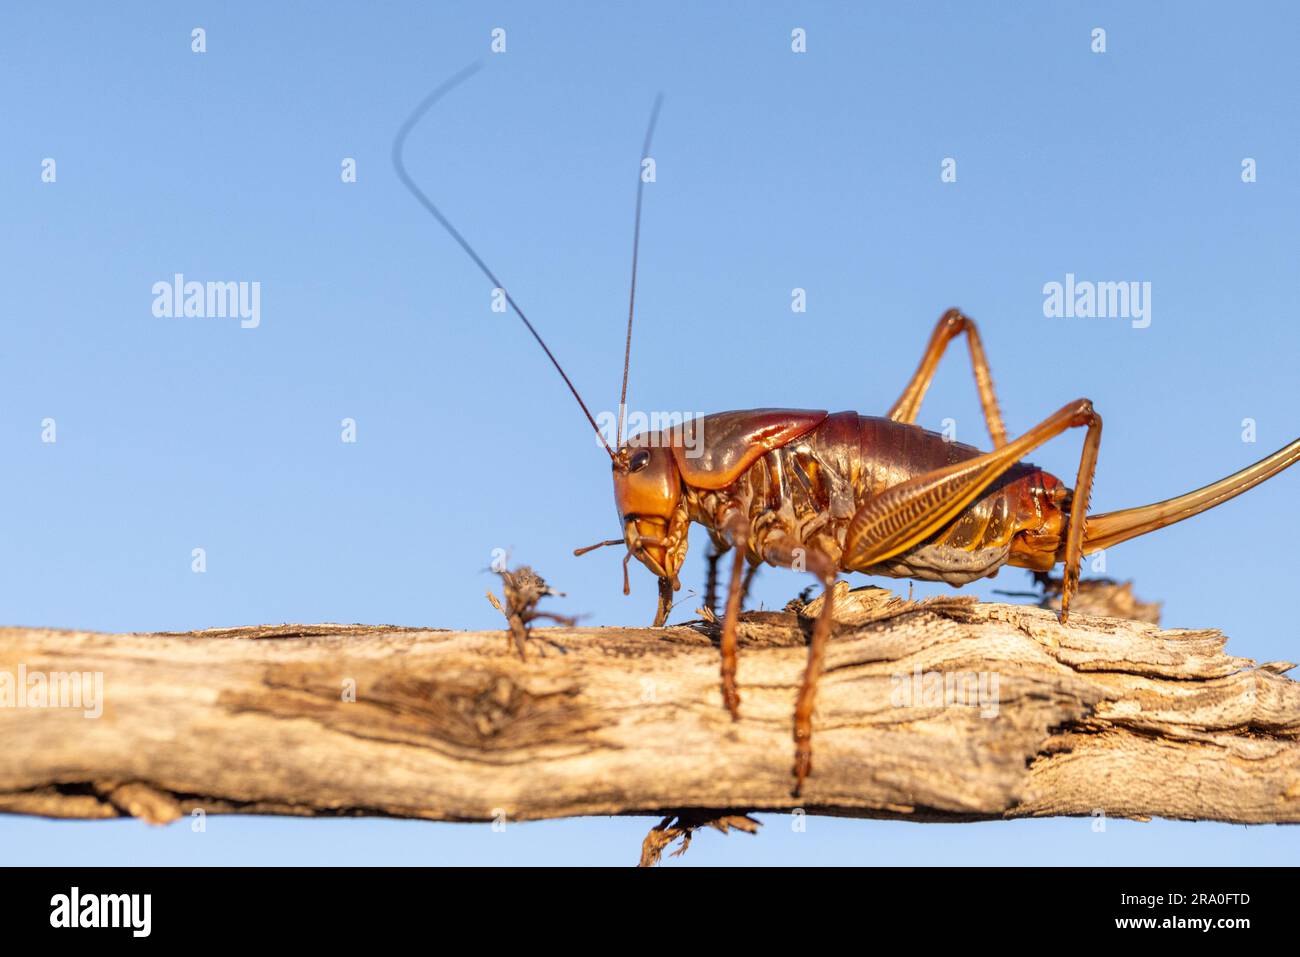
x=905, y=515
x=952, y=324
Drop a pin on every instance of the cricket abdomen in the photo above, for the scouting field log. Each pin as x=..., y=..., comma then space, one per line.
x=811, y=488
x=1025, y=501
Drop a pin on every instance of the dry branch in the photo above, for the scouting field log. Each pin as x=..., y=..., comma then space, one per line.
x=1103, y=715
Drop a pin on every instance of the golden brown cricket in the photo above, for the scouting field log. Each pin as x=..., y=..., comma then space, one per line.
x=843, y=492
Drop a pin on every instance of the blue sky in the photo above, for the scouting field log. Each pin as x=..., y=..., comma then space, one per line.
x=775, y=170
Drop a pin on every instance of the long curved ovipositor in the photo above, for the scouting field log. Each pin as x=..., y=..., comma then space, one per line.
x=1111, y=528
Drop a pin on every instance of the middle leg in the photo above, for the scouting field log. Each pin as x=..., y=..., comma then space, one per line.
x=788, y=553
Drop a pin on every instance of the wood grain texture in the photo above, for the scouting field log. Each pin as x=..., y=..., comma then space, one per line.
x=1101, y=716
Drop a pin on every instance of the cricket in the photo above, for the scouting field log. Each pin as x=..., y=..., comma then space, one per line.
x=831, y=493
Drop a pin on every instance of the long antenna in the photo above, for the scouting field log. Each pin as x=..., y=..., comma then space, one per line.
x=636, y=246
x=399, y=164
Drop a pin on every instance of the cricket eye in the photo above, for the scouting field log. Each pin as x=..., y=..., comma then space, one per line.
x=640, y=459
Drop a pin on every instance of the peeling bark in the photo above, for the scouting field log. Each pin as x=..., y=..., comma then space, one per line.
x=1103, y=715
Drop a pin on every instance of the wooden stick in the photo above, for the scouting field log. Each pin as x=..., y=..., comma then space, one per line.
x=943, y=710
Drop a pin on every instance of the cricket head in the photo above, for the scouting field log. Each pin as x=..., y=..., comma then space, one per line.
x=648, y=496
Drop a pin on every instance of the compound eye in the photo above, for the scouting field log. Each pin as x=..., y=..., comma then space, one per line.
x=640, y=459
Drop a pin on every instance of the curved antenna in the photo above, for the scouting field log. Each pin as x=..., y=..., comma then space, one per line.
x=399, y=164
x=636, y=245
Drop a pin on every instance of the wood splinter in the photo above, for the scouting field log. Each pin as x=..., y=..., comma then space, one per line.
x=523, y=589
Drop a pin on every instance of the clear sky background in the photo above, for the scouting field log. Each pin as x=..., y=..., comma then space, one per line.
x=775, y=171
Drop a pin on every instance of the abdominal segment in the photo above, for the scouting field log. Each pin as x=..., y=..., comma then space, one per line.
x=810, y=489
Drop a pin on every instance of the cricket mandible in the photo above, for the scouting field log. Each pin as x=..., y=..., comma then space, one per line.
x=831, y=493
